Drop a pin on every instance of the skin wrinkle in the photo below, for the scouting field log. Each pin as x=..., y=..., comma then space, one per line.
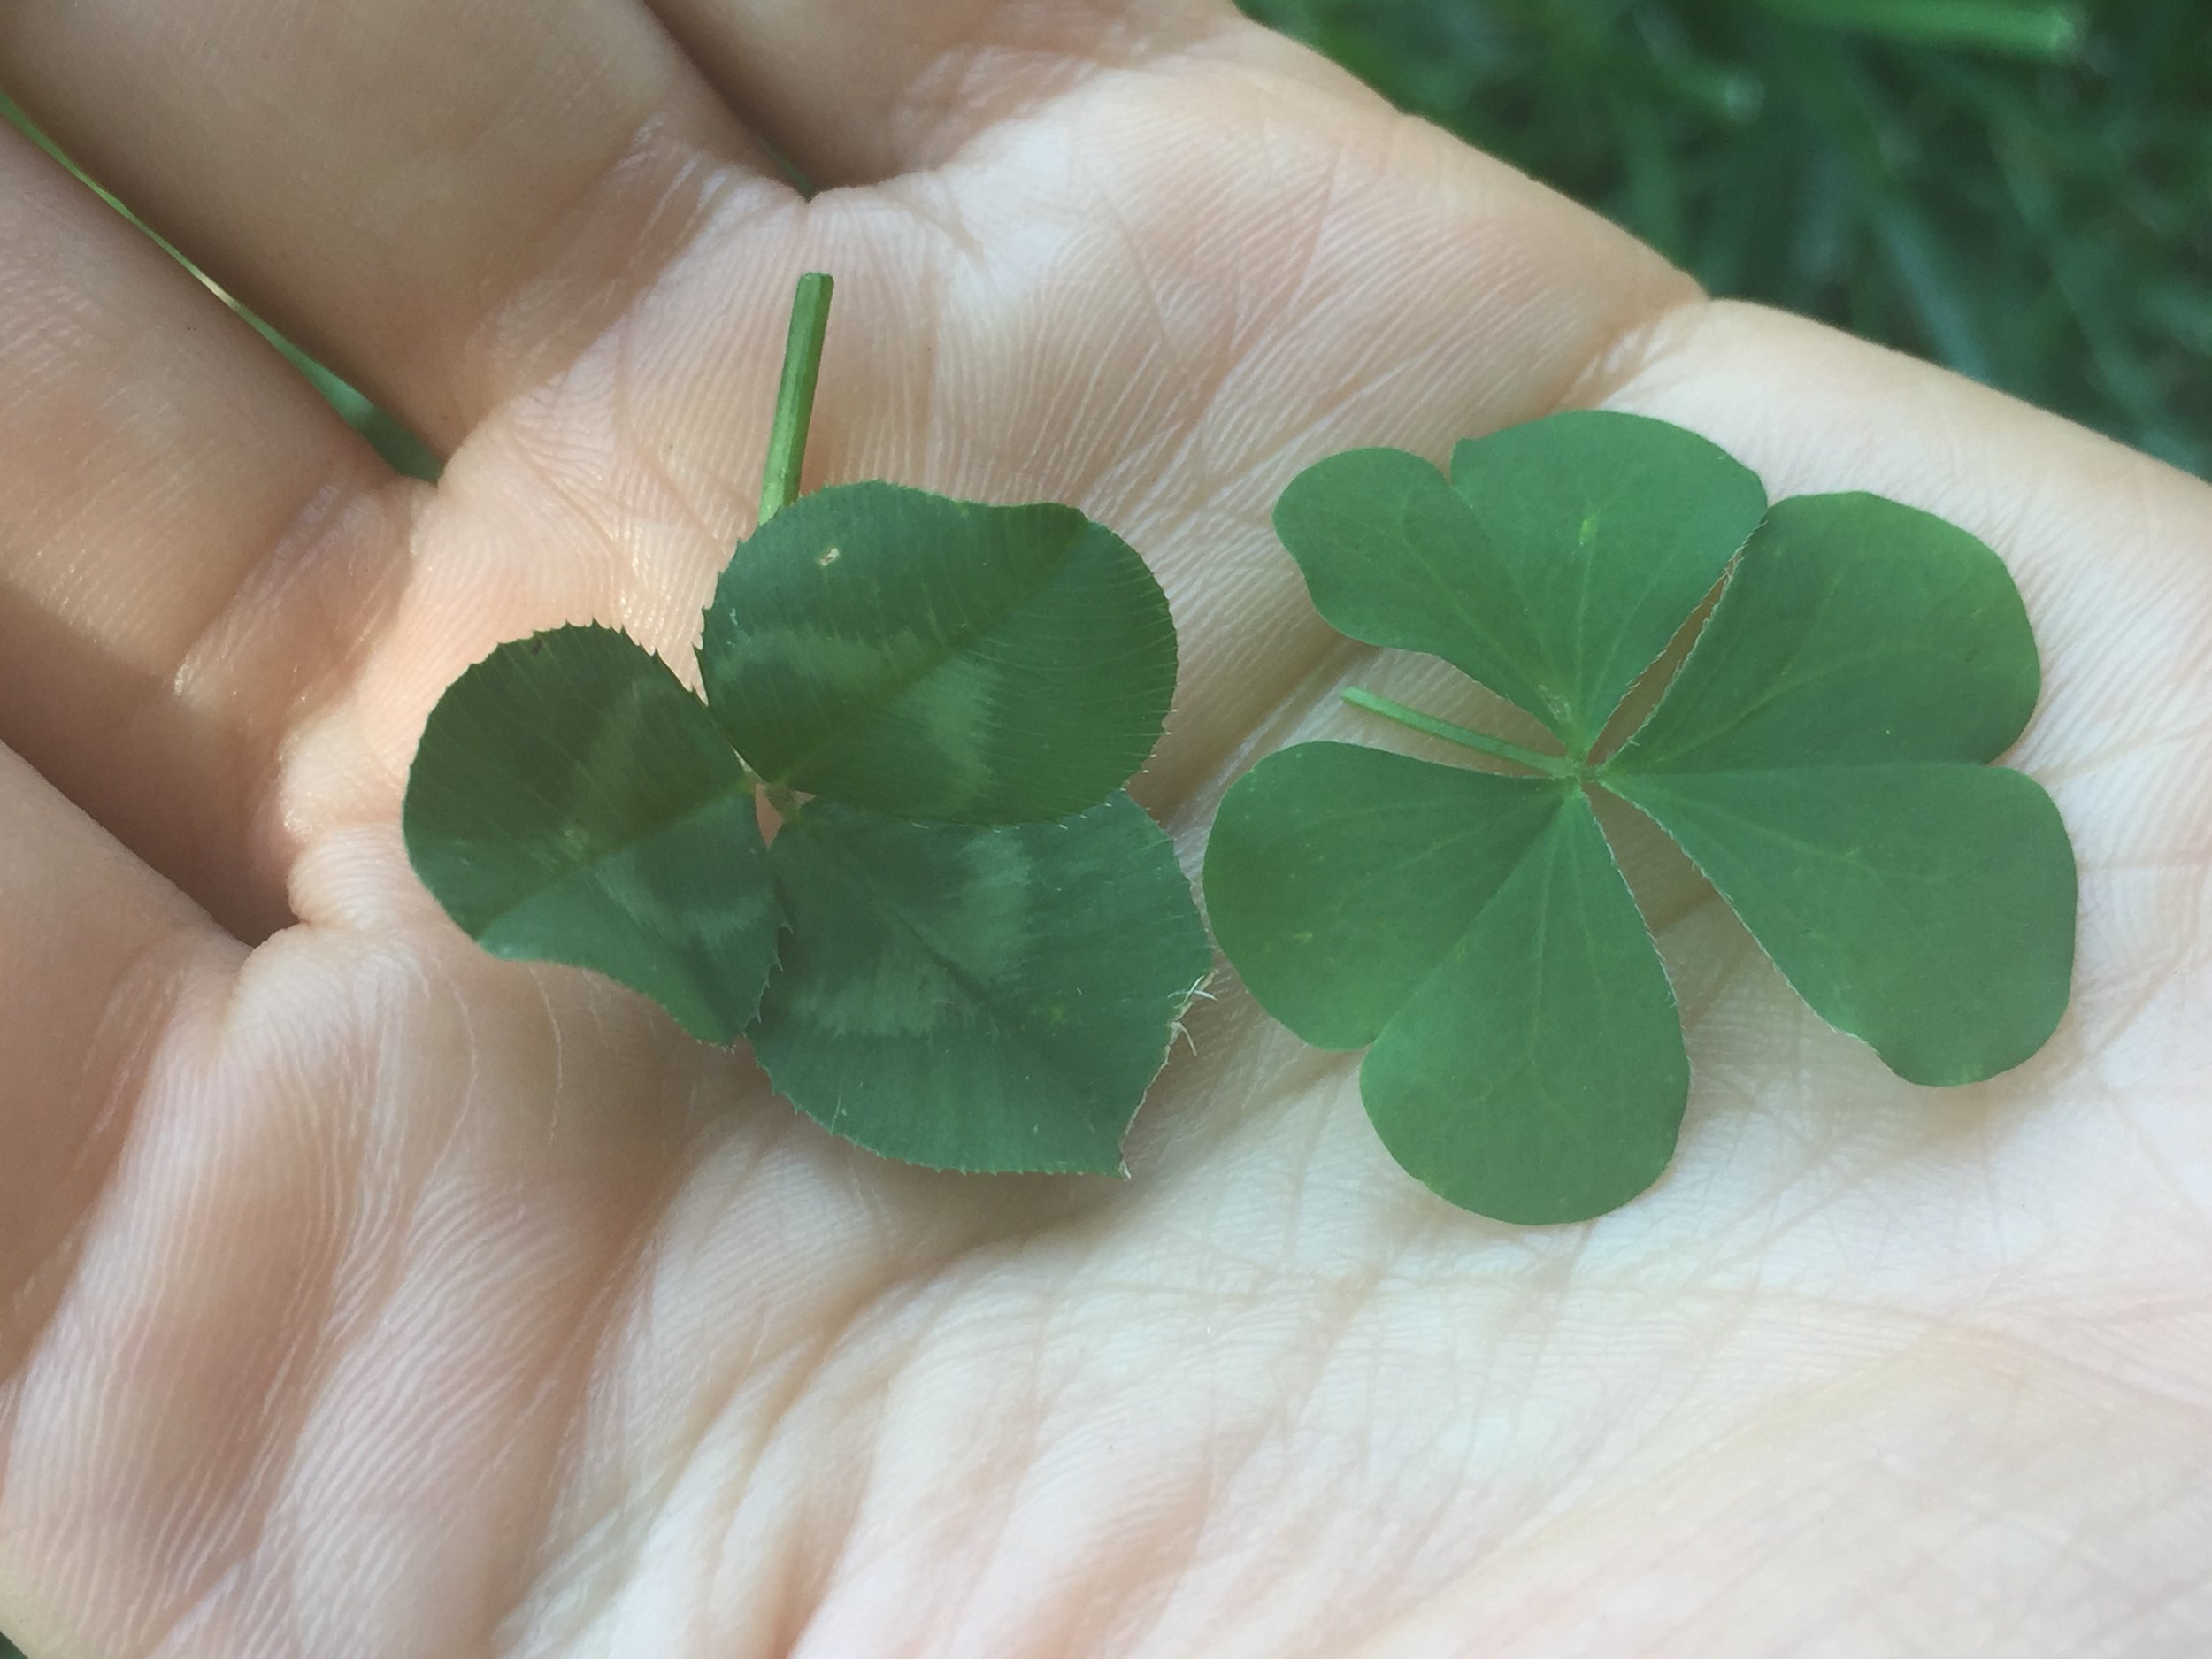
x=368, y=1304
x=1764, y=1427
x=802, y=1601
x=1984, y=1512
x=2057, y=777
x=1291, y=1402
x=682, y=205
x=219, y=1565
x=629, y=428
x=189, y=685
x=1211, y=383
x=637, y=1260
x=570, y=1380
x=558, y=1379
x=1020, y=1458
x=152, y=985
x=808, y=1360
x=312, y=553
x=2157, y=1166
x=693, y=198
x=845, y=1558
x=1474, y=1324
x=1115, y=1595
x=1197, y=1542
x=811, y=1359
x=2177, y=1593
x=238, y=1564
x=627, y=1525
x=976, y=87
x=608, y=537
x=311, y=1320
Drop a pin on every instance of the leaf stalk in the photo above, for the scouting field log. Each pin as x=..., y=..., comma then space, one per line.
x=795, y=399
x=1482, y=742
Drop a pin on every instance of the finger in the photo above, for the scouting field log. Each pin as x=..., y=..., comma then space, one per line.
x=856, y=91
x=192, y=542
x=95, y=953
x=438, y=198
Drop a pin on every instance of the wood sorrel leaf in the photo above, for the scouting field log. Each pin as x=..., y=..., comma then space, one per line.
x=571, y=801
x=1337, y=878
x=1554, y=567
x=978, y=998
x=1853, y=629
x=1820, y=758
x=1527, y=1060
x=938, y=659
x=1538, y=1074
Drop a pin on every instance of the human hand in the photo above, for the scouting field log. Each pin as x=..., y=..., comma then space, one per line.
x=366, y=1297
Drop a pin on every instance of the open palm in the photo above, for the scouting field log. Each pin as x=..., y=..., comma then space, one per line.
x=367, y=1296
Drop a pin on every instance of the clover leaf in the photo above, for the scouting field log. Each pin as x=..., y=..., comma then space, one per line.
x=940, y=659
x=1821, y=756
x=964, y=947
x=572, y=803
x=942, y=981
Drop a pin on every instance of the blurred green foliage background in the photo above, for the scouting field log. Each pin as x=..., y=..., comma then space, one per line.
x=2017, y=189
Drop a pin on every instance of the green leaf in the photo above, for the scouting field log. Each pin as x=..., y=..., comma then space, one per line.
x=937, y=659
x=1553, y=568
x=980, y=999
x=571, y=801
x=1854, y=630
x=1820, y=758
x=1926, y=909
x=1527, y=1060
x=1338, y=877
x=992, y=988
x=1538, y=1074
x=1822, y=755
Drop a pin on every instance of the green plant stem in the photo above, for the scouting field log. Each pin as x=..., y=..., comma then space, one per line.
x=1550, y=765
x=795, y=401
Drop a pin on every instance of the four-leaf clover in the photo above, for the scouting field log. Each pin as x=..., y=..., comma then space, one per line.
x=1821, y=755
x=966, y=947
